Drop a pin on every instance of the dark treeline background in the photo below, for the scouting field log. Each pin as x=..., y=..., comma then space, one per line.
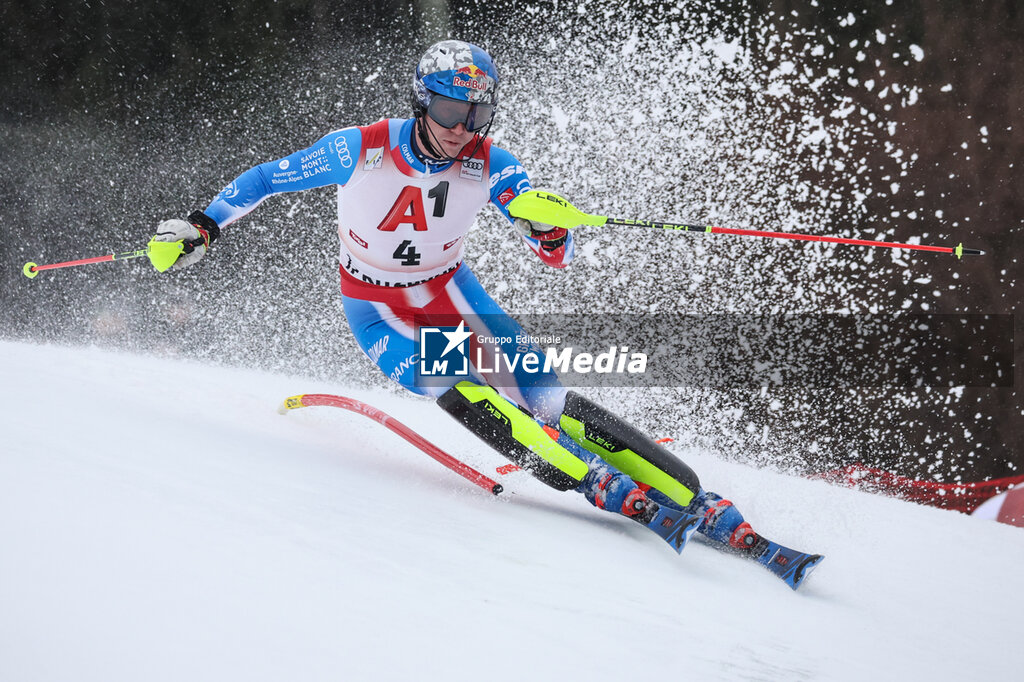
x=118, y=115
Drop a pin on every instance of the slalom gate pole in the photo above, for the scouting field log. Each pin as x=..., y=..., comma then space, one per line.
x=464, y=470
x=30, y=269
x=552, y=209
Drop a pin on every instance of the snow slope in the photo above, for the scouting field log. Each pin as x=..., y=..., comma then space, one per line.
x=160, y=521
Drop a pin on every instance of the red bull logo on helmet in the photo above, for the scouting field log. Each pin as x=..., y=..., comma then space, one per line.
x=471, y=76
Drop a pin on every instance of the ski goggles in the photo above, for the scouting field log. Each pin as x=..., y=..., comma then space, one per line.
x=448, y=113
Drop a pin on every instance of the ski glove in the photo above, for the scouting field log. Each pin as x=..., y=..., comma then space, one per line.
x=192, y=239
x=549, y=236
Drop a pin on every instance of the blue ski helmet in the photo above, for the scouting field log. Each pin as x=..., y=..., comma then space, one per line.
x=458, y=70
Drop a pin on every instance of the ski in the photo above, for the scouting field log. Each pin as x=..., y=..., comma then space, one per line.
x=791, y=566
x=671, y=525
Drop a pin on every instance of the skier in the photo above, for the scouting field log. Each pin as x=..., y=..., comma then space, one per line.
x=408, y=193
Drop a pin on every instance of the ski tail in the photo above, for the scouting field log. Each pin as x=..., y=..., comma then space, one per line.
x=671, y=525
x=790, y=565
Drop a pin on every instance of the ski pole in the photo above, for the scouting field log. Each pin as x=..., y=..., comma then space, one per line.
x=161, y=254
x=554, y=210
x=31, y=269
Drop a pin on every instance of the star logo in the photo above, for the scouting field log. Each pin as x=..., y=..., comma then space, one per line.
x=444, y=351
x=456, y=337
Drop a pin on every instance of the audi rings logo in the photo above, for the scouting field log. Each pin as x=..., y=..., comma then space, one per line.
x=341, y=146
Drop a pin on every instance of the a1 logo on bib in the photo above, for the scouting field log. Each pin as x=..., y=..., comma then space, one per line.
x=472, y=169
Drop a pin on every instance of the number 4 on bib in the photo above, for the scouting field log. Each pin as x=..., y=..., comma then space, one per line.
x=407, y=254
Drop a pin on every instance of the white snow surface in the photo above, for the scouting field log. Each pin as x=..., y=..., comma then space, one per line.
x=159, y=520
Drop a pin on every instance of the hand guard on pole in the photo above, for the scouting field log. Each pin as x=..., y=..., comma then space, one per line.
x=178, y=243
x=549, y=236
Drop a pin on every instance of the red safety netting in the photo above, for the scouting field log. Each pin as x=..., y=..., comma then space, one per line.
x=963, y=497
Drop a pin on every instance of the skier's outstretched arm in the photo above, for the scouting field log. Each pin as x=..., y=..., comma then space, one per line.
x=328, y=161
